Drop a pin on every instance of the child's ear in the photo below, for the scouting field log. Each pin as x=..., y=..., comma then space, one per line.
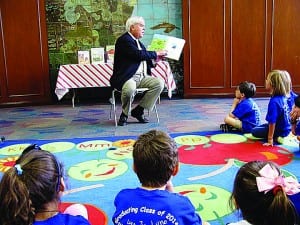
x=62, y=185
x=175, y=170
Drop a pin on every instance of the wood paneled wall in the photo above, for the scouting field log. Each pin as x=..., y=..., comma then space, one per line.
x=24, y=66
x=229, y=41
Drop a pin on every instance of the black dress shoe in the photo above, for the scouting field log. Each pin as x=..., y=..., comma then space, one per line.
x=123, y=120
x=140, y=117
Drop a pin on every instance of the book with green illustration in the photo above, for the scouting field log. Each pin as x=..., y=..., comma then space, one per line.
x=173, y=45
x=97, y=55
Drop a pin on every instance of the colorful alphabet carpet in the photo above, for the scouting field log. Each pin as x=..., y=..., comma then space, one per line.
x=97, y=169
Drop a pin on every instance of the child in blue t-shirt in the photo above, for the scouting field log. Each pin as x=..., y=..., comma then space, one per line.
x=244, y=114
x=155, y=161
x=263, y=195
x=30, y=192
x=278, y=82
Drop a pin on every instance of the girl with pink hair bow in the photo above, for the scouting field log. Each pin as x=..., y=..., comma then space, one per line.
x=260, y=193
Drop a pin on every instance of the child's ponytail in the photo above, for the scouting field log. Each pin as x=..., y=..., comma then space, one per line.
x=15, y=197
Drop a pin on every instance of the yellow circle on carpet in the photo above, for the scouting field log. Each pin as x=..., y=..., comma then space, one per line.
x=120, y=153
x=228, y=138
x=58, y=146
x=95, y=170
x=191, y=140
x=95, y=145
x=16, y=149
x=251, y=137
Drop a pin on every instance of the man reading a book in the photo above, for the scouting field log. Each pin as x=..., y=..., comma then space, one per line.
x=132, y=69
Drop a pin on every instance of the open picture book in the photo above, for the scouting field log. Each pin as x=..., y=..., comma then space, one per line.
x=173, y=45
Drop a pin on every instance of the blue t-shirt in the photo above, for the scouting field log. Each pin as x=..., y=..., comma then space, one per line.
x=297, y=130
x=279, y=113
x=65, y=219
x=248, y=113
x=147, y=207
x=291, y=100
x=296, y=201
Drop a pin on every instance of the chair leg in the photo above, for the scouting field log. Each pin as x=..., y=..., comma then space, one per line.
x=114, y=108
x=112, y=101
x=157, y=117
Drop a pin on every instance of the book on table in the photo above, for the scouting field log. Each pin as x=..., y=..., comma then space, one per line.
x=97, y=55
x=83, y=57
x=172, y=45
x=110, y=52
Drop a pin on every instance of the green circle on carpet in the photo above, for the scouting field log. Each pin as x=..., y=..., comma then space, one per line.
x=191, y=140
x=211, y=202
x=228, y=138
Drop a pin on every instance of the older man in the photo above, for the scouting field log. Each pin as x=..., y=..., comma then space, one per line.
x=132, y=64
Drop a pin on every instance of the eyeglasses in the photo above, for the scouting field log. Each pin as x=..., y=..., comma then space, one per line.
x=37, y=148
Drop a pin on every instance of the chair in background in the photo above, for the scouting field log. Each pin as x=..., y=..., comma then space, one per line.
x=113, y=104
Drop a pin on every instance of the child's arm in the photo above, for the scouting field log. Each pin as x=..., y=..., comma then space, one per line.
x=294, y=128
x=270, y=134
x=235, y=102
x=295, y=113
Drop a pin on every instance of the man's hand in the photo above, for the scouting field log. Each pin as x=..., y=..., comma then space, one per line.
x=161, y=54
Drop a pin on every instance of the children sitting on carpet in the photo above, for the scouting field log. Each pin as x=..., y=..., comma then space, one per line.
x=155, y=161
x=244, y=113
x=278, y=114
x=30, y=192
x=260, y=194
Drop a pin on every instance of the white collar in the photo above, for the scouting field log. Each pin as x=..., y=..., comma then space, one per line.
x=133, y=36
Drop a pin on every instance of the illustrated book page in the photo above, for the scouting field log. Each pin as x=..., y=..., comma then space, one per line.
x=97, y=55
x=173, y=45
x=110, y=51
x=83, y=57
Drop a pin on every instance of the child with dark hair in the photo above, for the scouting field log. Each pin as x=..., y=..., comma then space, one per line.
x=30, y=192
x=244, y=113
x=295, y=121
x=260, y=194
x=278, y=115
x=155, y=161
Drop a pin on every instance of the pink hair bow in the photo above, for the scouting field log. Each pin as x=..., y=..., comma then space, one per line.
x=270, y=178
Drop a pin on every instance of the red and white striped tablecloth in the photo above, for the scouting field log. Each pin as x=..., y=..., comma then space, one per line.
x=98, y=75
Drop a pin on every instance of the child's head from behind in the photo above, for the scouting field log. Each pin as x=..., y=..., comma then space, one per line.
x=34, y=181
x=297, y=101
x=257, y=204
x=279, y=82
x=155, y=158
x=247, y=88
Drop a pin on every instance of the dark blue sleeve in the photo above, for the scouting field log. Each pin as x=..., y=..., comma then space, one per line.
x=296, y=201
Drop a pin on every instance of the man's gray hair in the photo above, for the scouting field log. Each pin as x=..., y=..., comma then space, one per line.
x=134, y=20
